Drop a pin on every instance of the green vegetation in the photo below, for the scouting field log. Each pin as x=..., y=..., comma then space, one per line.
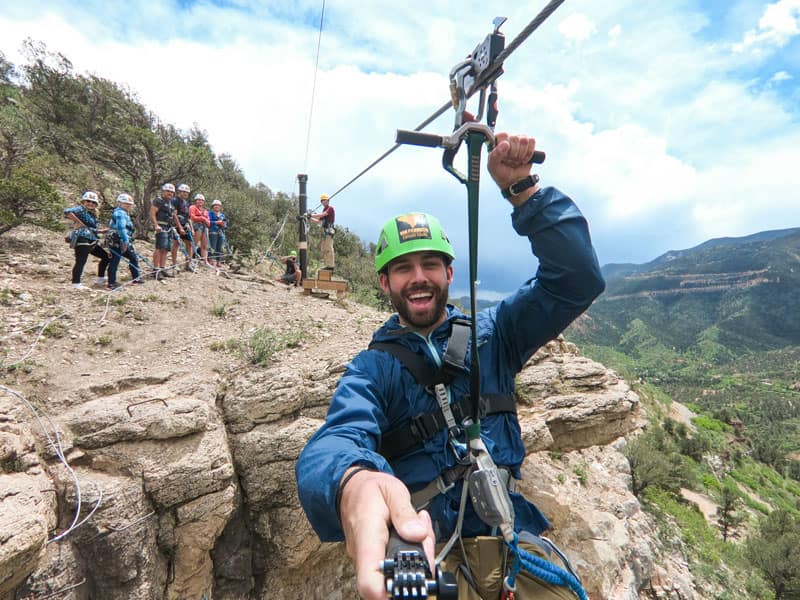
x=581, y=474
x=716, y=328
x=264, y=344
x=55, y=329
x=218, y=310
x=775, y=552
x=261, y=345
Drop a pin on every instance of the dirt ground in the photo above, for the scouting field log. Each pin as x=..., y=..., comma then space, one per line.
x=56, y=340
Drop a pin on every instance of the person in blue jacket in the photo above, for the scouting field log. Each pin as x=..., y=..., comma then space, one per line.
x=216, y=232
x=83, y=238
x=349, y=485
x=120, y=241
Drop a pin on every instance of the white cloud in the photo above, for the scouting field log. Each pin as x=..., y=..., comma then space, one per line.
x=779, y=23
x=577, y=27
x=780, y=76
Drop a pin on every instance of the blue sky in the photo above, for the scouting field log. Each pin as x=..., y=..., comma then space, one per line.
x=669, y=123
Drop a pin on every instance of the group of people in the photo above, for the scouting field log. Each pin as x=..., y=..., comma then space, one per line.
x=177, y=222
x=178, y=225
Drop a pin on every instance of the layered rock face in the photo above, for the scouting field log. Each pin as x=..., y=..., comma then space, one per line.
x=193, y=493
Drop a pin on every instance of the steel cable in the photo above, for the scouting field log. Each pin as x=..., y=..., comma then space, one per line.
x=486, y=76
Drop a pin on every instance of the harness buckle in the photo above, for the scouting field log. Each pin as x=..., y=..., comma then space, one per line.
x=422, y=427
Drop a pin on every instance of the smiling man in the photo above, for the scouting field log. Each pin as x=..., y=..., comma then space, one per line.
x=388, y=447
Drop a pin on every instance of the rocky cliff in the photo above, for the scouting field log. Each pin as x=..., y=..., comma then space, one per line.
x=143, y=454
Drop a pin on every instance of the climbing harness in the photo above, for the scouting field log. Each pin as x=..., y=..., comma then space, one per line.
x=425, y=426
x=485, y=483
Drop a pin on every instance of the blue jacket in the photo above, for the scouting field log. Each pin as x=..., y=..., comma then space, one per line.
x=376, y=395
x=215, y=219
x=121, y=224
x=89, y=230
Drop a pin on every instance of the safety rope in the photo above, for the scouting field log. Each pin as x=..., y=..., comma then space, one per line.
x=42, y=327
x=314, y=87
x=55, y=444
x=486, y=75
x=542, y=569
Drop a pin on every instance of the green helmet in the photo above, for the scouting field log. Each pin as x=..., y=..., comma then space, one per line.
x=293, y=253
x=411, y=232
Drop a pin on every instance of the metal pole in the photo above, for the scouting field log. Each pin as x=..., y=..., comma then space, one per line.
x=303, y=243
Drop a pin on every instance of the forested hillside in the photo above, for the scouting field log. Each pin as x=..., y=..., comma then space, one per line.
x=716, y=326
x=63, y=132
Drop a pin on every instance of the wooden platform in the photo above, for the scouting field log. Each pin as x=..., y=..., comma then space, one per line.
x=322, y=283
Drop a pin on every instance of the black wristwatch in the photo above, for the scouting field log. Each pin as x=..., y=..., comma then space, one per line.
x=515, y=189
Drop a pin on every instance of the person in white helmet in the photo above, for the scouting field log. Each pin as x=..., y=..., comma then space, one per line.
x=83, y=238
x=181, y=205
x=120, y=241
x=164, y=219
x=216, y=232
x=200, y=224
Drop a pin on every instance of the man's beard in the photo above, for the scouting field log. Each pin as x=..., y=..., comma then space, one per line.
x=417, y=319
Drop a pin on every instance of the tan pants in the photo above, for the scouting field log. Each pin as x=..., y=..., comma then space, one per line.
x=485, y=558
x=327, y=250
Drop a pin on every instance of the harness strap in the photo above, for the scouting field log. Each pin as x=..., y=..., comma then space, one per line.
x=425, y=426
x=444, y=482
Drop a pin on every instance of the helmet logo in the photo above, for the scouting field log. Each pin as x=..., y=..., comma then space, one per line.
x=413, y=226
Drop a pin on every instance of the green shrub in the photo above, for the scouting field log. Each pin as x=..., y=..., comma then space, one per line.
x=27, y=198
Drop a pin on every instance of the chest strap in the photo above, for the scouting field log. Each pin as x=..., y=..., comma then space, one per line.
x=425, y=426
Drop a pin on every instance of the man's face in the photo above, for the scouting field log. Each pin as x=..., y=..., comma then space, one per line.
x=183, y=195
x=167, y=194
x=418, y=285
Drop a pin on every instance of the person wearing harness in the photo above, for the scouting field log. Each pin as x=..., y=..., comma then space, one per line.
x=200, y=224
x=163, y=218
x=83, y=238
x=390, y=446
x=120, y=241
x=181, y=206
x=327, y=219
x=216, y=232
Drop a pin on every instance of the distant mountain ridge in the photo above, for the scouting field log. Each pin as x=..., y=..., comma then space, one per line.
x=613, y=270
x=741, y=294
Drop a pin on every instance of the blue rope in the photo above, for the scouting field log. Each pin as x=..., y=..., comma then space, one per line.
x=542, y=569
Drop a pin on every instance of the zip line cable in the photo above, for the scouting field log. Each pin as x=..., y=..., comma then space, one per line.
x=489, y=73
x=314, y=87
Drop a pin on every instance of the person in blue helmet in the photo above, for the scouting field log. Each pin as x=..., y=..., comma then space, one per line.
x=370, y=465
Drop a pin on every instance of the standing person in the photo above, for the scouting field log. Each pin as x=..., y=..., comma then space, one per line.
x=326, y=218
x=200, y=224
x=83, y=238
x=385, y=450
x=121, y=241
x=181, y=205
x=293, y=275
x=163, y=218
x=216, y=232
